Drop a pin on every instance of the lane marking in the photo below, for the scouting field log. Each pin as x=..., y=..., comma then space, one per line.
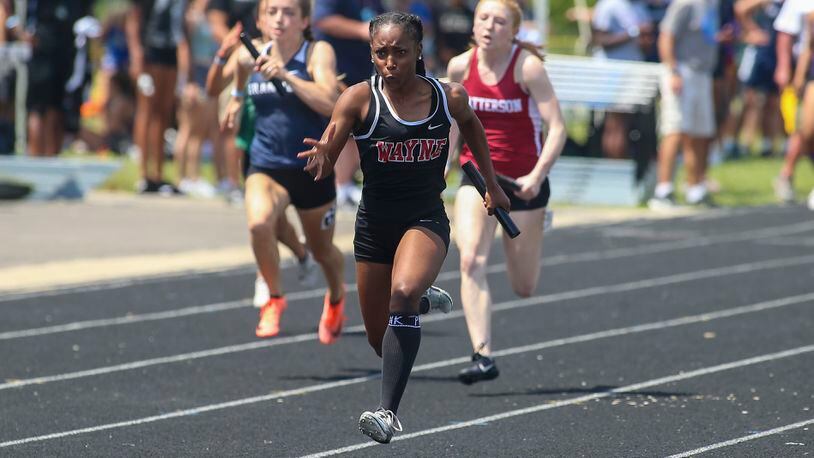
x=124, y=282
x=435, y=365
x=443, y=276
x=154, y=316
x=508, y=305
x=742, y=439
x=567, y=402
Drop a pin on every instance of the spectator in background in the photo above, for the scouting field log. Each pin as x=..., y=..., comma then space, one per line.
x=155, y=37
x=761, y=98
x=790, y=26
x=116, y=92
x=453, y=30
x=49, y=26
x=688, y=49
x=804, y=85
x=6, y=86
x=224, y=16
x=345, y=25
x=197, y=113
x=5, y=11
x=725, y=77
x=617, y=28
x=424, y=12
x=655, y=11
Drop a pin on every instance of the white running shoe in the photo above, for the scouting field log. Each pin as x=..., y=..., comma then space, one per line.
x=662, y=204
x=307, y=270
x=380, y=425
x=261, y=292
x=783, y=190
x=348, y=195
x=439, y=300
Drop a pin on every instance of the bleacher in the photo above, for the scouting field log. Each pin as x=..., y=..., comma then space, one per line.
x=601, y=84
x=46, y=178
x=57, y=178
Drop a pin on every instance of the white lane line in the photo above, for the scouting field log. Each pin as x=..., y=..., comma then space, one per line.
x=788, y=241
x=739, y=440
x=658, y=325
x=122, y=283
x=164, y=315
x=127, y=319
x=508, y=305
x=567, y=402
x=443, y=276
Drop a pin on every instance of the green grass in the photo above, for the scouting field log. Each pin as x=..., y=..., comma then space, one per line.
x=748, y=181
x=745, y=182
x=124, y=180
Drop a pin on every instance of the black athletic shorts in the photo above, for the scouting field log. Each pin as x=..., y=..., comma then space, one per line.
x=305, y=193
x=518, y=204
x=376, y=241
x=158, y=56
x=47, y=75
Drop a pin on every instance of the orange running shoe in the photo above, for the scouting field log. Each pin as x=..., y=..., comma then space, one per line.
x=330, y=324
x=269, y=325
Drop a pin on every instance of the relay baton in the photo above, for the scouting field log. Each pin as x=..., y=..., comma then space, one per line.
x=247, y=42
x=502, y=215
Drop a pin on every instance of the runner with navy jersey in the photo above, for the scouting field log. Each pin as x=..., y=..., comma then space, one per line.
x=401, y=122
x=275, y=176
x=510, y=93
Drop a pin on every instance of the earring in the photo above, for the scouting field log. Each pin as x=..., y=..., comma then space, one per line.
x=420, y=57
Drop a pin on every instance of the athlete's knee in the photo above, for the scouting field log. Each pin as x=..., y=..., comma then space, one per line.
x=404, y=299
x=524, y=289
x=472, y=265
x=261, y=228
x=323, y=252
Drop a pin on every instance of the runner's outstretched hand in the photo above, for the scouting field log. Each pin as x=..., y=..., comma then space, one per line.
x=319, y=164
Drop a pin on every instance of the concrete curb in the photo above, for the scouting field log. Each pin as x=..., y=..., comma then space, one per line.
x=85, y=272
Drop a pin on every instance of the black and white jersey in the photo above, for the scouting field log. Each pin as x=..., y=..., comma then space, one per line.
x=403, y=161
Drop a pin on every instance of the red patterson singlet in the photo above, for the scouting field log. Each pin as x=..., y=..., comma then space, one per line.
x=509, y=117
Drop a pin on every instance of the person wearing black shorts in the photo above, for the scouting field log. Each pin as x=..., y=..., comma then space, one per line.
x=306, y=71
x=50, y=67
x=155, y=37
x=513, y=98
x=401, y=121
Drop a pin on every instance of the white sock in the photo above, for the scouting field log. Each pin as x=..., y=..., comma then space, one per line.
x=663, y=190
x=696, y=193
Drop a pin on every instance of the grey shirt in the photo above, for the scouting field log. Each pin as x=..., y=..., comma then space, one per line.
x=615, y=16
x=694, y=24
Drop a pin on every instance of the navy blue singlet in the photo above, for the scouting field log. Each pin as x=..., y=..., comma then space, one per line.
x=283, y=120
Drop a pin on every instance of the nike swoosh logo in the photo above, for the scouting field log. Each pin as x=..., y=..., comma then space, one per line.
x=434, y=127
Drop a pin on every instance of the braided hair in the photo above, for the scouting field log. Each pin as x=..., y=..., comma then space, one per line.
x=410, y=23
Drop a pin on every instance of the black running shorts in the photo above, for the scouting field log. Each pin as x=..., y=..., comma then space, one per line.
x=377, y=241
x=518, y=204
x=305, y=193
